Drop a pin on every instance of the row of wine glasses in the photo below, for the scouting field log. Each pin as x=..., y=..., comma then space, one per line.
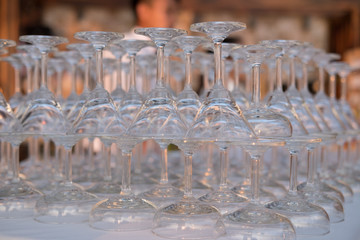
x=289, y=123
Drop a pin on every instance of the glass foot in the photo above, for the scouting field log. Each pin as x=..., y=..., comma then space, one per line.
x=162, y=195
x=18, y=200
x=307, y=219
x=225, y=200
x=256, y=222
x=332, y=206
x=325, y=188
x=122, y=213
x=105, y=189
x=342, y=187
x=188, y=219
x=245, y=191
x=67, y=205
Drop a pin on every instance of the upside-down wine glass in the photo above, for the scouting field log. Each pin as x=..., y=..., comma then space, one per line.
x=253, y=219
x=220, y=117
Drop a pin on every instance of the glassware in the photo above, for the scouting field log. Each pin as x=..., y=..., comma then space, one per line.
x=17, y=97
x=220, y=118
x=98, y=116
x=159, y=119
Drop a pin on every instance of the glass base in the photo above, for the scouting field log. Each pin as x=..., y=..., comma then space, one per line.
x=307, y=219
x=105, y=189
x=198, y=188
x=256, y=222
x=188, y=219
x=162, y=195
x=18, y=199
x=122, y=213
x=332, y=206
x=351, y=181
x=325, y=188
x=225, y=200
x=342, y=187
x=69, y=204
x=245, y=191
x=88, y=178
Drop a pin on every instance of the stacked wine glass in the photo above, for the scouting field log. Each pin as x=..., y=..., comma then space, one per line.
x=166, y=130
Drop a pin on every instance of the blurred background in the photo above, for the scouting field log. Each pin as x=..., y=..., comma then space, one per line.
x=333, y=25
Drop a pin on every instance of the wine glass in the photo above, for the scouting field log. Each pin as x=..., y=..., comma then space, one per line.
x=188, y=101
x=118, y=93
x=220, y=118
x=253, y=219
x=159, y=119
x=72, y=58
x=16, y=63
x=98, y=116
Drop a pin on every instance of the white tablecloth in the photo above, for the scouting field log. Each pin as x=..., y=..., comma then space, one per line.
x=31, y=230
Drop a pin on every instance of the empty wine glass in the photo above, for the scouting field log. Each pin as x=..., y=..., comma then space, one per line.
x=159, y=119
x=220, y=118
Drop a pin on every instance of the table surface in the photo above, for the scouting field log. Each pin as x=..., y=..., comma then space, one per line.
x=11, y=229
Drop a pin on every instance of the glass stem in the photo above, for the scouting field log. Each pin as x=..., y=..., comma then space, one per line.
x=343, y=89
x=237, y=73
x=255, y=177
x=28, y=80
x=341, y=159
x=87, y=73
x=292, y=72
x=59, y=162
x=223, y=72
x=126, y=173
x=206, y=78
x=217, y=59
x=137, y=155
x=224, y=165
x=160, y=79
x=15, y=163
x=91, y=155
x=36, y=75
x=167, y=69
x=293, y=172
x=132, y=71
x=107, y=152
x=279, y=73
x=209, y=159
x=321, y=79
x=332, y=93
x=145, y=84
x=305, y=76
x=44, y=69
x=99, y=66
x=36, y=150
x=59, y=84
x=188, y=70
x=255, y=70
x=17, y=80
x=47, y=153
x=68, y=167
x=73, y=78
x=9, y=160
x=118, y=72
x=311, y=166
x=164, y=166
x=188, y=176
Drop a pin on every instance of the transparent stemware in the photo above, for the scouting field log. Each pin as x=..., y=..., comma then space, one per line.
x=253, y=219
x=238, y=93
x=159, y=119
x=98, y=116
x=72, y=58
x=17, y=97
x=118, y=93
x=335, y=124
x=132, y=101
x=202, y=220
x=220, y=118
